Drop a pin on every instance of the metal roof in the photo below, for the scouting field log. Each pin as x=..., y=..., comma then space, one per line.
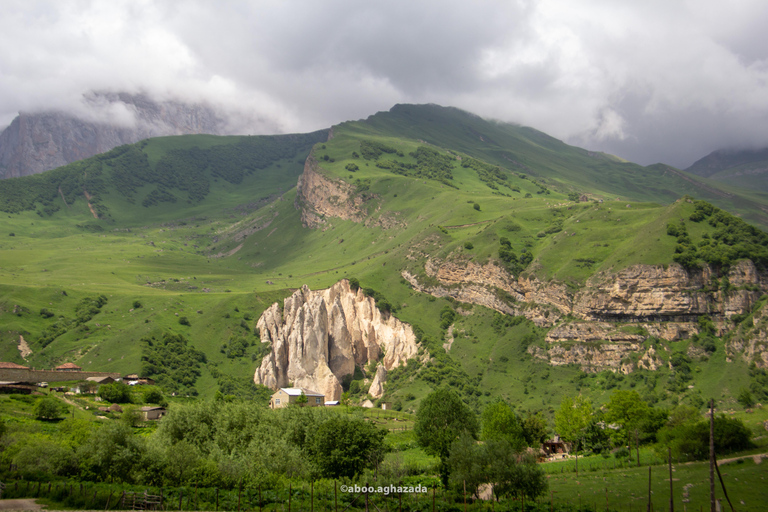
x=298, y=391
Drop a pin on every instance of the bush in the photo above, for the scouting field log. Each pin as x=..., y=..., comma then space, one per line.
x=116, y=393
x=48, y=408
x=468, y=246
x=476, y=207
x=184, y=321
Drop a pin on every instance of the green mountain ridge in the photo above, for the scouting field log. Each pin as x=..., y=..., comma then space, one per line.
x=213, y=230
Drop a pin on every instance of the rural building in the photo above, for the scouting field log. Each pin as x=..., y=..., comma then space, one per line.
x=20, y=388
x=153, y=413
x=285, y=396
x=68, y=367
x=387, y=406
x=332, y=403
x=12, y=366
x=101, y=380
x=554, y=446
x=133, y=379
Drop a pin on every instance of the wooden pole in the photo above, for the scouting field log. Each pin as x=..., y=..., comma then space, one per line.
x=289, y=496
x=217, y=499
x=181, y=495
x=259, y=497
x=712, y=455
x=465, y=496
x=433, y=499
x=723, y=485
x=671, y=490
x=239, y=494
x=312, y=496
x=335, y=497
x=108, y=499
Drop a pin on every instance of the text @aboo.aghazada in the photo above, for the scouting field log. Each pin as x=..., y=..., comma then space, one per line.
x=388, y=489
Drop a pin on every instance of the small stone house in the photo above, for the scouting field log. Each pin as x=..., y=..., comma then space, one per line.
x=286, y=396
x=153, y=413
x=554, y=446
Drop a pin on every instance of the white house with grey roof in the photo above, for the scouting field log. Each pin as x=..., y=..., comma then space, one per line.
x=285, y=396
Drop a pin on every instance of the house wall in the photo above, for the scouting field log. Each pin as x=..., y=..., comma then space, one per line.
x=24, y=375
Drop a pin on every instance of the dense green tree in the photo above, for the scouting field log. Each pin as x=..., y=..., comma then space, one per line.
x=509, y=471
x=500, y=422
x=112, y=453
x=49, y=408
x=535, y=428
x=116, y=393
x=688, y=437
x=441, y=418
x=341, y=447
x=626, y=409
x=573, y=417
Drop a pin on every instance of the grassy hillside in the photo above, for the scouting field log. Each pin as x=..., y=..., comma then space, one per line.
x=206, y=229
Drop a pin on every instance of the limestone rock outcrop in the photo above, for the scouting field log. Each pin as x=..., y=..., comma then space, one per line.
x=318, y=338
x=319, y=196
x=614, y=312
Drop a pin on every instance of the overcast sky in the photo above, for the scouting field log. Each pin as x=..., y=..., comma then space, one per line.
x=647, y=80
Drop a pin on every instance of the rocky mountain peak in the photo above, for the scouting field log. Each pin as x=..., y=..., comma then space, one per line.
x=38, y=141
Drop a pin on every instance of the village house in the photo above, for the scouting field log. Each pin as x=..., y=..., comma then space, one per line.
x=133, y=379
x=153, y=412
x=12, y=366
x=554, y=447
x=285, y=396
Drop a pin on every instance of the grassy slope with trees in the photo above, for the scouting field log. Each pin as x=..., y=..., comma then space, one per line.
x=193, y=255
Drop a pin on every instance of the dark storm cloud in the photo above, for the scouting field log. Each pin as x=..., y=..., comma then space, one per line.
x=650, y=81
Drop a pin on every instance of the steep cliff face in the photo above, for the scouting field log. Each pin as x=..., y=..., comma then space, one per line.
x=657, y=293
x=320, y=336
x=37, y=142
x=614, y=313
x=318, y=196
x=490, y=285
x=751, y=339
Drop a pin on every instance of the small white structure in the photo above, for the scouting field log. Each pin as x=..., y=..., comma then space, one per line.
x=286, y=396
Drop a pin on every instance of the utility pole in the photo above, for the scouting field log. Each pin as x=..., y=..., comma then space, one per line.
x=712, y=503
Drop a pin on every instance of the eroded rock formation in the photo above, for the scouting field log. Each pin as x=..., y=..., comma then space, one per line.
x=320, y=336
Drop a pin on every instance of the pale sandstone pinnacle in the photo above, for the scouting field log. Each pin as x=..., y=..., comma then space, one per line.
x=320, y=336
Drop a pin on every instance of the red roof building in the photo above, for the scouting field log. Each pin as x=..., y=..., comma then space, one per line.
x=12, y=366
x=68, y=367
